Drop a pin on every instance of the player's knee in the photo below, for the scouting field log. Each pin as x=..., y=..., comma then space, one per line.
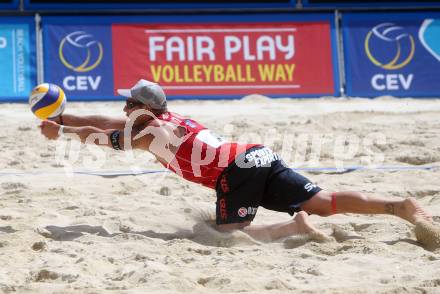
x=324, y=211
x=362, y=196
x=357, y=195
x=319, y=204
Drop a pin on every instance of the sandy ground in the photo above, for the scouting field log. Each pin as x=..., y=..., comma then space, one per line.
x=62, y=232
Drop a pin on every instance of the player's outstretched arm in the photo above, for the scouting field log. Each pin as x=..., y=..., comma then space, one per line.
x=93, y=135
x=97, y=121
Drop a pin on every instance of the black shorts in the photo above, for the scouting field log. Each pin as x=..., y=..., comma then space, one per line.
x=258, y=177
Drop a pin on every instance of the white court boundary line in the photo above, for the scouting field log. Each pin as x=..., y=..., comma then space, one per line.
x=142, y=172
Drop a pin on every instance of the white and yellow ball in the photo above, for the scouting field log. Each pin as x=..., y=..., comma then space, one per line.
x=47, y=101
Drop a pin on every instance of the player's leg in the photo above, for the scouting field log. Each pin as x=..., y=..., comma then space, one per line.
x=236, y=211
x=240, y=192
x=299, y=225
x=326, y=203
x=98, y=121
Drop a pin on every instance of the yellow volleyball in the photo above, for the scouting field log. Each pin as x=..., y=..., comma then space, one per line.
x=47, y=101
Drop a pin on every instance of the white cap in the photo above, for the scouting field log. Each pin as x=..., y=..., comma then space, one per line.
x=148, y=93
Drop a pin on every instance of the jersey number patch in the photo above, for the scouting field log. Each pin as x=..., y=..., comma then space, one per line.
x=210, y=138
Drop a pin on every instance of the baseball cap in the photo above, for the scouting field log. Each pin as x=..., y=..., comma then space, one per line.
x=146, y=92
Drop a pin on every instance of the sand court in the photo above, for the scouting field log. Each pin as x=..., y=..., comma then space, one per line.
x=63, y=231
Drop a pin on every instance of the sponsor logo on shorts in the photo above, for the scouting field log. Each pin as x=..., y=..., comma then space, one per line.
x=309, y=187
x=223, y=212
x=243, y=211
x=262, y=157
x=224, y=184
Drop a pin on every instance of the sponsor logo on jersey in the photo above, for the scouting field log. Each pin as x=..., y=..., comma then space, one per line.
x=190, y=123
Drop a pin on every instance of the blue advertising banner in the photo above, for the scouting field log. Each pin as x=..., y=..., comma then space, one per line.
x=9, y=5
x=88, y=5
x=79, y=59
x=17, y=58
x=394, y=54
x=370, y=3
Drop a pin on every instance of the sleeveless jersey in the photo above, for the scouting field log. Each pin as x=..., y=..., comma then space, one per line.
x=202, y=156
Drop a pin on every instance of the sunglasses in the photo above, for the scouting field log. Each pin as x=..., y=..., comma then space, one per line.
x=132, y=104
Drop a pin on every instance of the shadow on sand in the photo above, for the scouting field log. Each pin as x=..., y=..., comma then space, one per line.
x=202, y=233
x=70, y=233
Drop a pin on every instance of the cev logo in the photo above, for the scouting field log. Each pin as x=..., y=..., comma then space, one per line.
x=89, y=50
x=402, y=43
x=3, y=42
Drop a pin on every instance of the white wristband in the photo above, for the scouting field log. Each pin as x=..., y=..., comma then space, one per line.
x=67, y=136
x=61, y=131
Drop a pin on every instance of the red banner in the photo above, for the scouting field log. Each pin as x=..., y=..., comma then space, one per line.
x=226, y=59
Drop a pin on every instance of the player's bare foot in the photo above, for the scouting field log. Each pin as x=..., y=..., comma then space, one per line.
x=302, y=226
x=412, y=211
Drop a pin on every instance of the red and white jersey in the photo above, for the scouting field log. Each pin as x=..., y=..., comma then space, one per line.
x=202, y=155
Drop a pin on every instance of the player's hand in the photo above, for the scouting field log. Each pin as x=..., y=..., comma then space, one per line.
x=50, y=129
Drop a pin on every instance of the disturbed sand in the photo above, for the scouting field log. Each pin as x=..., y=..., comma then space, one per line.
x=62, y=232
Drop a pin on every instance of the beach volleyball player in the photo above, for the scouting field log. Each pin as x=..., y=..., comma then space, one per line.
x=244, y=176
